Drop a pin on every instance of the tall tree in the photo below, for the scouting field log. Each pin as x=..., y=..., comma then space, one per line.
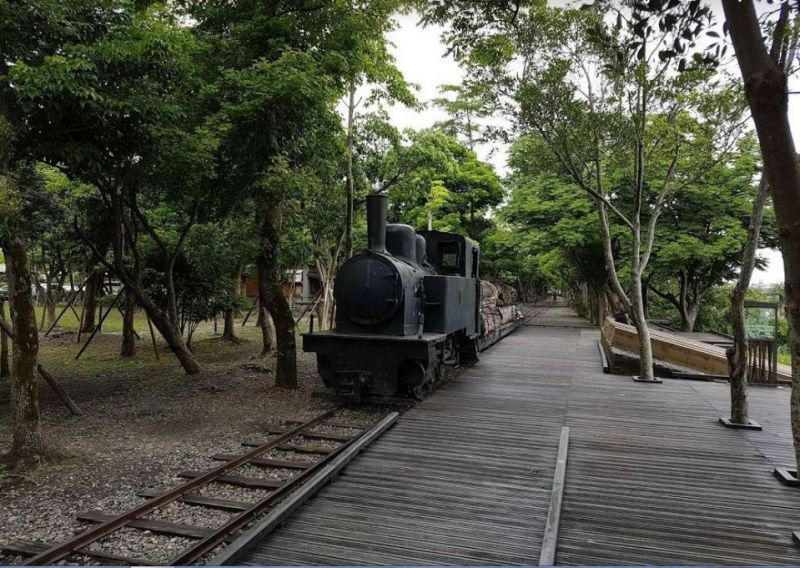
x=429, y=169
x=467, y=107
x=700, y=241
x=21, y=199
x=606, y=95
x=285, y=65
x=30, y=32
x=125, y=124
x=764, y=66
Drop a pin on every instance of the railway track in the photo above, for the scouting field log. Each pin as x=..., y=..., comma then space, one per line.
x=322, y=441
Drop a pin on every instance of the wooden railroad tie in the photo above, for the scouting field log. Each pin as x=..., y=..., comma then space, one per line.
x=28, y=548
x=238, y=480
x=201, y=500
x=317, y=435
x=290, y=447
x=265, y=462
x=152, y=525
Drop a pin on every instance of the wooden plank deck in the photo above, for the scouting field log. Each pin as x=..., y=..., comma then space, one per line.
x=465, y=477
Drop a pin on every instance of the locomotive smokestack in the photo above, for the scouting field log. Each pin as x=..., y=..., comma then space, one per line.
x=377, y=209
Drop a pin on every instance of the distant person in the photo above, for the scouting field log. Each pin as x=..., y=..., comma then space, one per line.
x=555, y=296
x=622, y=317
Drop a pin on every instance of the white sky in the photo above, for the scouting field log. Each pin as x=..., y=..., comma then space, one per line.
x=420, y=55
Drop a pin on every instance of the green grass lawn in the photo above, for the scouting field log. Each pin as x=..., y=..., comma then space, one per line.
x=69, y=321
x=58, y=352
x=102, y=356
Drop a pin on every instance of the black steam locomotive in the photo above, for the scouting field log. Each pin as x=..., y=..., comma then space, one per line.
x=405, y=307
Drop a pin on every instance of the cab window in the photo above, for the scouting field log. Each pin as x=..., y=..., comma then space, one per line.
x=448, y=252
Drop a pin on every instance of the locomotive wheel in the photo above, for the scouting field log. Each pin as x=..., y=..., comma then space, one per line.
x=411, y=374
x=470, y=354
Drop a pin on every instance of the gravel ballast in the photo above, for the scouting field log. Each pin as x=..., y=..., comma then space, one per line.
x=139, y=430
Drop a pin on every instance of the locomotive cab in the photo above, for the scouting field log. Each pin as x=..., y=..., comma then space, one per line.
x=452, y=294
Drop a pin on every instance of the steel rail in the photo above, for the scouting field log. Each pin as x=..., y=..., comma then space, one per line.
x=271, y=520
x=207, y=544
x=64, y=549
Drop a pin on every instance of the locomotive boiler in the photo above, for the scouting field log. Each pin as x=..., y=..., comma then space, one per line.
x=405, y=307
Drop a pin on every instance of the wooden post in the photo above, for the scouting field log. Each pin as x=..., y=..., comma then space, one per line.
x=153, y=337
x=100, y=323
x=68, y=306
x=250, y=311
x=59, y=390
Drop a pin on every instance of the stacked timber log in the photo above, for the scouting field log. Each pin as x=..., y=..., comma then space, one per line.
x=500, y=313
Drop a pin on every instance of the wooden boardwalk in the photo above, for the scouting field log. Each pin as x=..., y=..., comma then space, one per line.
x=465, y=477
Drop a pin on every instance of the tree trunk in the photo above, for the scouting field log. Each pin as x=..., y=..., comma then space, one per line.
x=643, y=331
x=27, y=445
x=738, y=366
x=348, y=227
x=765, y=83
x=229, y=329
x=646, y=297
x=286, y=355
x=267, y=336
x=165, y=321
x=190, y=327
x=128, y=348
x=169, y=331
x=50, y=304
x=5, y=369
x=93, y=286
x=271, y=296
x=689, y=316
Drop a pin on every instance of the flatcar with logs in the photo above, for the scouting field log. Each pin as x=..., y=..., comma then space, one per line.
x=408, y=306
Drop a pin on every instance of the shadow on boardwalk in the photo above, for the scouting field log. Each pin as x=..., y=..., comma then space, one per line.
x=464, y=478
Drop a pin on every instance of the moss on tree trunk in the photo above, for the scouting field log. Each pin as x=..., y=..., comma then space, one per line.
x=27, y=445
x=5, y=368
x=271, y=296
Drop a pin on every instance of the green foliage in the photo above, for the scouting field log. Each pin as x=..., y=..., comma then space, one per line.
x=429, y=172
x=468, y=107
x=550, y=229
x=715, y=312
x=27, y=208
x=704, y=229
